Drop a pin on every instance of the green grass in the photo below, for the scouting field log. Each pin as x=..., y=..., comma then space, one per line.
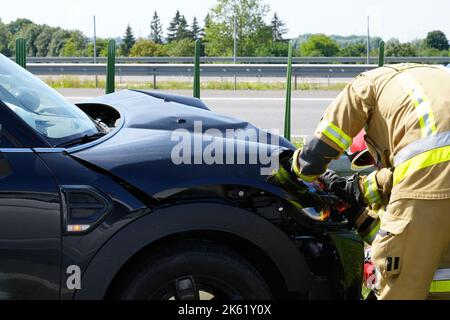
x=74, y=82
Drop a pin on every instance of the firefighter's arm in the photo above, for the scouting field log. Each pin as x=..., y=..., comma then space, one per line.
x=368, y=224
x=377, y=187
x=366, y=195
x=343, y=120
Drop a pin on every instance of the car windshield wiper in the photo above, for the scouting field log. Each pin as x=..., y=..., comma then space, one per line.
x=81, y=140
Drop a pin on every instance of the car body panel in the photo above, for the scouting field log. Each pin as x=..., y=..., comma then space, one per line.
x=140, y=152
x=30, y=229
x=80, y=250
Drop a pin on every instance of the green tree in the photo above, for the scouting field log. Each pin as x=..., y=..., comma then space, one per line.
x=207, y=24
x=437, y=40
x=147, y=48
x=319, y=45
x=70, y=50
x=156, y=29
x=5, y=38
x=196, y=31
x=75, y=45
x=128, y=41
x=183, y=31
x=274, y=49
x=278, y=28
x=172, y=30
x=181, y=48
x=59, y=37
x=354, y=50
x=31, y=32
x=374, y=43
x=19, y=24
x=251, y=28
x=102, y=48
x=43, y=40
x=431, y=52
x=396, y=49
x=218, y=40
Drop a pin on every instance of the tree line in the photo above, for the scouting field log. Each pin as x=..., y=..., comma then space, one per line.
x=243, y=19
x=435, y=44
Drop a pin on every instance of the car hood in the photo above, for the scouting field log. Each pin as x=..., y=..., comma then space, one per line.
x=157, y=130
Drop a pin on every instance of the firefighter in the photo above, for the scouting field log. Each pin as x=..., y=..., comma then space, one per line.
x=367, y=220
x=405, y=111
x=364, y=214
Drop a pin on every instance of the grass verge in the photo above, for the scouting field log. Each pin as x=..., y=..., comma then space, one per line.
x=74, y=82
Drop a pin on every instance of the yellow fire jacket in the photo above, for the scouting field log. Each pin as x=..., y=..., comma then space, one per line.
x=405, y=110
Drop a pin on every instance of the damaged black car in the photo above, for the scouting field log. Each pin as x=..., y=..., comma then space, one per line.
x=144, y=195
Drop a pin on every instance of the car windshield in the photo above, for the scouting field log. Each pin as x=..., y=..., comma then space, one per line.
x=41, y=107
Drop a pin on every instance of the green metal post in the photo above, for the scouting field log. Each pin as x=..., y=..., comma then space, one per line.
x=287, y=119
x=111, y=67
x=197, y=69
x=381, y=57
x=21, y=53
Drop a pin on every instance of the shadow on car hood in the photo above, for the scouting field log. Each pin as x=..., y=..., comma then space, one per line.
x=158, y=133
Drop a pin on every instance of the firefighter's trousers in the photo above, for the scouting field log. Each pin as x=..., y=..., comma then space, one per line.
x=413, y=239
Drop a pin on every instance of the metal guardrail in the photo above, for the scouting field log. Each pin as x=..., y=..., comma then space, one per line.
x=242, y=60
x=207, y=70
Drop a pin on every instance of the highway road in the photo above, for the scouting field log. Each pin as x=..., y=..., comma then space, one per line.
x=265, y=109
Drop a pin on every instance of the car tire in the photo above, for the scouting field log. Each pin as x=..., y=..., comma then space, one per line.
x=193, y=270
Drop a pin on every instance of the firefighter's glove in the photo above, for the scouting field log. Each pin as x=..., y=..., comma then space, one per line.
x=285, y=176
x=345, y=188
x=385, y=179
x=355, y=214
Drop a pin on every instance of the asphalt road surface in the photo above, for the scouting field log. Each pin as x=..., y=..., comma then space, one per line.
x=264, y=109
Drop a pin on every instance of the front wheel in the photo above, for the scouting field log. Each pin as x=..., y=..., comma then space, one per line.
x=195, y=270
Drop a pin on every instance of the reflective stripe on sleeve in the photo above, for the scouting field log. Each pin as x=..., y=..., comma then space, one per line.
x=307, y=178
x=373, y=232
x=335, y=134
x=297, y=169
x=371, y=189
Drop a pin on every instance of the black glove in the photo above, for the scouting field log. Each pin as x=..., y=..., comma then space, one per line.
x=346, y=188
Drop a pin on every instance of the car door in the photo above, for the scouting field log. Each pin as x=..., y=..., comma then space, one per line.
x=30, y=223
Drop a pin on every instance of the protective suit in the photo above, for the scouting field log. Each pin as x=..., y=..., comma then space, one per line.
x=405, y=110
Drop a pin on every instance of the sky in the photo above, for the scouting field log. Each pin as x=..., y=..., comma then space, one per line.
x=405, y=20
